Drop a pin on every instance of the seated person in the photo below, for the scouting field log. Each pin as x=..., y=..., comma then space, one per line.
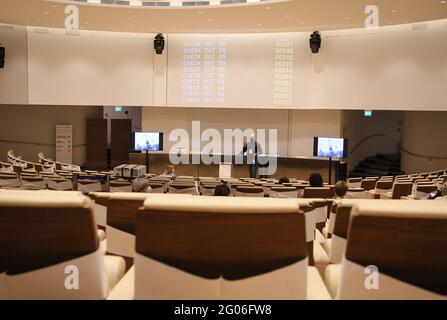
x=441, y=194
x=283, y=180
x=315, y=180
x=141, y=185
x=222, y=190
x=170, y=171
x=341, y=189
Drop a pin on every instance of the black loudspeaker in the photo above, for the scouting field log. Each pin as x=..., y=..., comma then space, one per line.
x=159, y=43
x=315, y=42
x=2, y=57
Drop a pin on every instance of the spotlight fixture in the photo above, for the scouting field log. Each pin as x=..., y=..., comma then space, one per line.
x=159, y=43
x=315, y=42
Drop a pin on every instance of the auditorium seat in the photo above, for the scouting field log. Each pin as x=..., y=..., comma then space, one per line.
x=319, y=193
x=382, y=186
x=354, y=182
x=89, y=185
x=157, y=187
x=368, y=184
x=411, y=267
x=120, y=186
x=9, y=180
x=283, y=192
x=60, y=184
x=399, y=190
x=42, y=237
x=423, y=190
x=183, y=188
x=121, y=214
x=356, y=193
x=233, y=248
x=33, y=182
x=249, y=191
x=208, y=189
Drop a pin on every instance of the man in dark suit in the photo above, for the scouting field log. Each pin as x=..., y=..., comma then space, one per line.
x=252, y=149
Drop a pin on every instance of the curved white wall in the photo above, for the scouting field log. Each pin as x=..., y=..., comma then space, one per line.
x=424, y=133
x=391, y=68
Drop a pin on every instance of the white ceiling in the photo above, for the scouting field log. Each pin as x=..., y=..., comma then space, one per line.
x=293, y=15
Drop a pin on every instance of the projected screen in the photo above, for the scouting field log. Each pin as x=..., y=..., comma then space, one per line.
x=148, y=141
x=330, y=147
x=238, y=70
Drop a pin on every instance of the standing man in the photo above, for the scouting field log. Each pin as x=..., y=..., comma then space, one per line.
x=252, y=149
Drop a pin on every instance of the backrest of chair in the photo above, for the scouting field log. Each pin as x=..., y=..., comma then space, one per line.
x=249, y=191
x=384, y=185
x=120, y=186
x=230, y=237
x=422, y=191
x=405, y=240
x=33, y=182
x=324, y=193
x=41, y=230
x=283, y=192
x=183, y=187
x=368, y=184
x=355, y=182
x=356, y=193
x=402, y=189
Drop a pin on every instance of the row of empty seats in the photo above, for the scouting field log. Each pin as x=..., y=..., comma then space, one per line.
x=199, y=247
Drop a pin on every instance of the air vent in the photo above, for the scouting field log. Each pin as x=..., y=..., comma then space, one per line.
x=195, y=3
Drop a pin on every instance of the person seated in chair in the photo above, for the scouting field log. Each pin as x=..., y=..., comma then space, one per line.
x=316, y=180
x=222, y=190
x=341, y=189
x=141, y=185
x=170, y=171
x=283, y=180
x=441, y=194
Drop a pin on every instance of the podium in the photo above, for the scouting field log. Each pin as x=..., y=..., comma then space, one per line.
x=225, y=170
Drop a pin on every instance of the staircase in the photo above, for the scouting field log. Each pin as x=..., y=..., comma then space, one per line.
x=379, y=165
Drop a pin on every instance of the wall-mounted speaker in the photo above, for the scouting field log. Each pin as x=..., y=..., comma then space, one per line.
x=2, y=57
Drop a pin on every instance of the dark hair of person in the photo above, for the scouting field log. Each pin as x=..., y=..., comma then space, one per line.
x=284, y=180
x=316, y=180
x=341, y=189
x=222, y=190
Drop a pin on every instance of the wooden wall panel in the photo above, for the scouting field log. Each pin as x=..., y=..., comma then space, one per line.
x=97, y=144
x=121, y=141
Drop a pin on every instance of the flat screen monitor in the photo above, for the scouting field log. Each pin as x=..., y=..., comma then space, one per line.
x=148, y=141
x=330, y=147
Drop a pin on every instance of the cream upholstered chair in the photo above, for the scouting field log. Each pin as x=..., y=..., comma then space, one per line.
x=42, y=238
x=183, y=188
x=9, y=180
x=319, y=193
x=33, y=183
x=89, y=185
x=122, y=210
x=400, y=189
x=157, y=187
x=368, y=184
x=356, y=193
x=283, y=192
x=262, y=255
x=207, y=189
x=61, y=184
x=120, y=186
x=423, y=190
x=249, y=191
x=411, y=266
x=382, y=186
x=355, y=182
